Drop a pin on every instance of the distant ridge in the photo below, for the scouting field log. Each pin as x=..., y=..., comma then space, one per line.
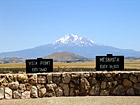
x=72, y=43
x=12, y=60
x=65, y=56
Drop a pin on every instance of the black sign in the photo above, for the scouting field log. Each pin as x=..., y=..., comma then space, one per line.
x=109, y=62
x=39, y=65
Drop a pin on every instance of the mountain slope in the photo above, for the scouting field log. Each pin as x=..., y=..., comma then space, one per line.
x=65, y=56
x=72, y=43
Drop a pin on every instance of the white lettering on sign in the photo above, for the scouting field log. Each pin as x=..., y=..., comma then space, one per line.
x=107, y=59
x=34, y=69
x=109, y=66
x=43, y=69
x=113, y=66
x=102, y=59
x=103, y=66
x=31, y=63
x=44, y=62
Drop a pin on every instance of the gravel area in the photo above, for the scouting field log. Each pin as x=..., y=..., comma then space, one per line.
x=88, y=100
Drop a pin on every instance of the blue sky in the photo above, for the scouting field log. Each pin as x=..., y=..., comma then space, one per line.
x=30, y=23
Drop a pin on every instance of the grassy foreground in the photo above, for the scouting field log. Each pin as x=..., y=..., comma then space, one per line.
x=129, y=64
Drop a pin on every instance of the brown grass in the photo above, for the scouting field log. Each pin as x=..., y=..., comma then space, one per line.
x=131, y=64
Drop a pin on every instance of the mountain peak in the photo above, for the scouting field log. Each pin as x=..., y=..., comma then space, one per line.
x=72, y=35
x=71, y=43
x=68, y=38
x=72, y=39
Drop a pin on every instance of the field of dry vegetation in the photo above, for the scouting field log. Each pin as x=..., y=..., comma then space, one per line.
x=129, y=64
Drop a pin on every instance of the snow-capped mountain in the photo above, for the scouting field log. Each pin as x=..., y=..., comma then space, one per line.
x=72, y=40
x=72, y=43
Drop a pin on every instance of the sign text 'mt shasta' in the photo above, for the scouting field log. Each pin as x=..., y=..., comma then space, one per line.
x=108, y=59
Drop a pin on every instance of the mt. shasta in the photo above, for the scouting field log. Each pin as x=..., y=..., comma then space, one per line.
x=72, y=43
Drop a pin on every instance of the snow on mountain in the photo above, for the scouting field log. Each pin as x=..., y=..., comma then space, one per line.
x=71, y=39
x=72, y=43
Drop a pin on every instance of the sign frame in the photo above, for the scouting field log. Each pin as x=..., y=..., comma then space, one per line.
x=109, y=62
x=39, y=65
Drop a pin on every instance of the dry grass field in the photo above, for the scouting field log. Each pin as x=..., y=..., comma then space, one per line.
x=132, y=64
x=13, y=65
x=129, y=64
x=75, y=65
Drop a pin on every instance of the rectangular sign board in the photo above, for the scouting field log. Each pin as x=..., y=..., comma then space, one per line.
x=109, y=62
x=39, y=65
